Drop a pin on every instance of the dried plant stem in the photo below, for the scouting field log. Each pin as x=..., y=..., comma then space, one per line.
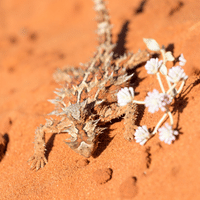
x=171, y=118
x=160, y=82
x=171, y=88
x=181, y=87
x=138, y=102
x=159, y=123
x=163, y=55
x=168, y=82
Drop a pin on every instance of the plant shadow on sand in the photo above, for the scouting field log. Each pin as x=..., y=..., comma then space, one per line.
x=181, y=102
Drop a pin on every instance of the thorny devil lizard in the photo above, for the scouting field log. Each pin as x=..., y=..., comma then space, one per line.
x=85, y=106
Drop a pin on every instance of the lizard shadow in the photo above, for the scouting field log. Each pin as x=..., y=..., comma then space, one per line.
x=49, y=144
x=135, y=79
x=120, y=48
x=104, y=139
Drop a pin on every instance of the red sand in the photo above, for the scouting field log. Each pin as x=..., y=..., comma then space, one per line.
x=39, y=36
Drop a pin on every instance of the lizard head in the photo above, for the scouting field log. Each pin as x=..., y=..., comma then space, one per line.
x=84, y=136
x=84, y=129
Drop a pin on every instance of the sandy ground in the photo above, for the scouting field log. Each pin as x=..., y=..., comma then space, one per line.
x=36, y=38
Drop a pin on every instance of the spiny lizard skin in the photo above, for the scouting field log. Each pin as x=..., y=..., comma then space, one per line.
x=88, y=98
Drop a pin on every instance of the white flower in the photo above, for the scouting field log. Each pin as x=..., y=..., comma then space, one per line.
x=176, y=74
x=153, y=65
x=167, y=134
x=125, y=95
x=153, y=101
x=165, y=101
x=182, y=60
x=142, y=135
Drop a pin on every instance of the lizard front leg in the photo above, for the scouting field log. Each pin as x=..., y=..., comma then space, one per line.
x=38, y=159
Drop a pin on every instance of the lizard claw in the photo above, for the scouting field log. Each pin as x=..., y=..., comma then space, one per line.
x=37, y=162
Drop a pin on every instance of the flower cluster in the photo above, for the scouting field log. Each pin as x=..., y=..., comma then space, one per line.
x=156, y=100
x=167, y=134
x=176, y=74
x=152, y=66
x=142, y=135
